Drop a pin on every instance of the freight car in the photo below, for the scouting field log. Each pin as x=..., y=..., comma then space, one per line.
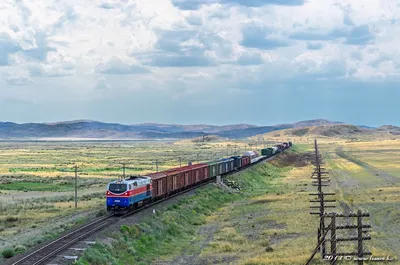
x=128, y=194
x=251, y=154
x=256, y=159
x=237, y=162
x=176, y=179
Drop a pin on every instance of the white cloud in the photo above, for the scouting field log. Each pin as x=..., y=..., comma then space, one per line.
x=117, y=66
x=165, y=45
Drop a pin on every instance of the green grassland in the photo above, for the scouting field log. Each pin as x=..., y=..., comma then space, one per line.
x=105, y=159
x=366, y=178
x=266, y=222
x=37, y=178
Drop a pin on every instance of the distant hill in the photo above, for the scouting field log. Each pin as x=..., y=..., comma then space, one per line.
x=309, y=123
x=390, y=128
x=101, y=130
x=332, y=130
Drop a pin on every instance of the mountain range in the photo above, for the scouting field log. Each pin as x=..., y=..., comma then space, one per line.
x=102, y=130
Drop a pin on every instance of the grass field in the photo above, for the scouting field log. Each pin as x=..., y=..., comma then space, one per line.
x=37, y=178
x=267, y=222
x=366, y=177
x=264, y=223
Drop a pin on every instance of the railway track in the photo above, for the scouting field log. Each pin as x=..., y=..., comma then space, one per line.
x=49, y=250
x=44, y=252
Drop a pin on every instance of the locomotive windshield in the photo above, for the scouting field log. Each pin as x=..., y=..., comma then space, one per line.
x=117, y=188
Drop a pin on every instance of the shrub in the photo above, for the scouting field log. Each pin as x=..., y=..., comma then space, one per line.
x=7, y=253
x=11, y=219
x=20, y=249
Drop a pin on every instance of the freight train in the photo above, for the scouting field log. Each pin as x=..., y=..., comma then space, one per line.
x=125, y=195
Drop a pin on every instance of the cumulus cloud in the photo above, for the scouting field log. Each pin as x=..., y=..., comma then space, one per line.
x=116, y=66
x=15, y=77
x=191, y=46
x=7, y=47
x=196, y=4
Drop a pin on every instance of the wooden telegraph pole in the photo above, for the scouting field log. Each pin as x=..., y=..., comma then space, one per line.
x=123, y=169
x=76, y=186
x=321, y=180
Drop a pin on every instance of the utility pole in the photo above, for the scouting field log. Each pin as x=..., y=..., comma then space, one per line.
x=157, y=165
x=123, y=168
x=76, y=186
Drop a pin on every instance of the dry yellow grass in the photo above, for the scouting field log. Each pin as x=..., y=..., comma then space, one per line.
x=290, y=230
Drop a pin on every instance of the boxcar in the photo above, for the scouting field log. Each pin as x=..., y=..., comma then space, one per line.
x=181, y=177
x=245, y=161
x=220, y=166
x=212, y=169
x=237, y=162
x=224, y=166
x=267, y=152
x=227, y=165
x=159, y=182
x=230, y=164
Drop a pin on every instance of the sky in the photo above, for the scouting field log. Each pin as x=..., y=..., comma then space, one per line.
x=218, y=62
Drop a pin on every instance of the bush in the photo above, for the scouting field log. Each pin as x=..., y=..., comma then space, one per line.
x=20, y=249
x=8, y=253
x=11, y=219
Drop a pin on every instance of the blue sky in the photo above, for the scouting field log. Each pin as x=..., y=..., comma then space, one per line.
x=200, y=61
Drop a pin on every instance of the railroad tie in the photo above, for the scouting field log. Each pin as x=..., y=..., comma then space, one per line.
x=78, y=249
